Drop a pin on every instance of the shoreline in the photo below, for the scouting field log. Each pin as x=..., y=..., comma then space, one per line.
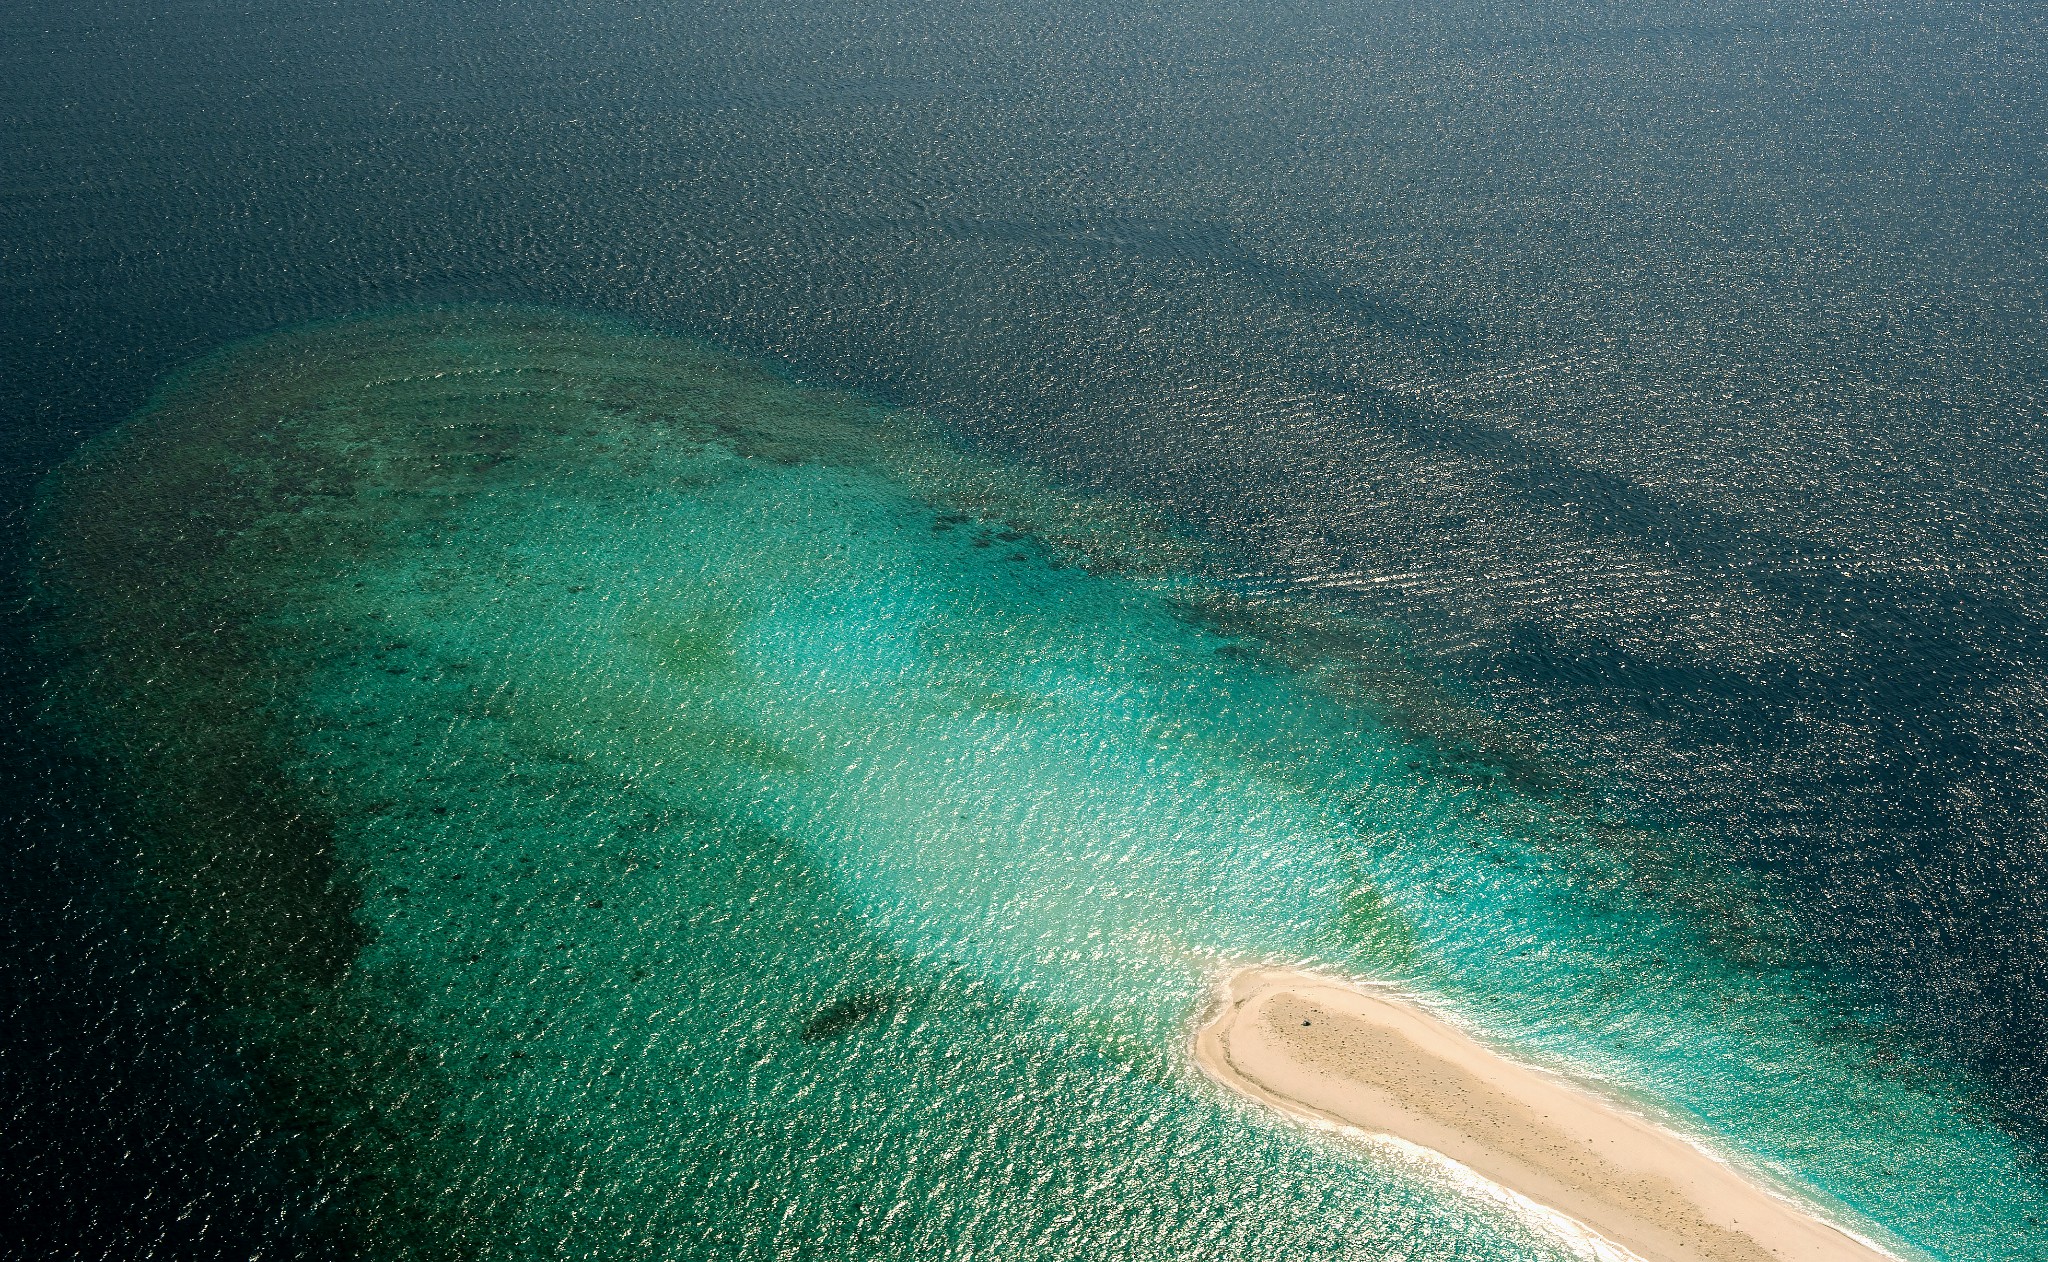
x=1327, y=1052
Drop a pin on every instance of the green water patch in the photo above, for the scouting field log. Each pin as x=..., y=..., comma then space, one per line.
x=625, y=803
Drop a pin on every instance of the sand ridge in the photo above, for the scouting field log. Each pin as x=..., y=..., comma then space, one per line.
x=1317, y=1048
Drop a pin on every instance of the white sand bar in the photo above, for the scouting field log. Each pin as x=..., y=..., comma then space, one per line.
x=1319, y=1049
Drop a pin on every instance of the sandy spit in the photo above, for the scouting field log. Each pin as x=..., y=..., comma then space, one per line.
x=1330, y=1052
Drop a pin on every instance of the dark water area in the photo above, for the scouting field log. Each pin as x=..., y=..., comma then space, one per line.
x=1671, y=381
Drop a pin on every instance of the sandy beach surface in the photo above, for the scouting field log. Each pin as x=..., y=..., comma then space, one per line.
x=1317, y=1048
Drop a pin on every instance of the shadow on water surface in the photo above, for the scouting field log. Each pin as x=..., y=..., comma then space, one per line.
x=1943, y=792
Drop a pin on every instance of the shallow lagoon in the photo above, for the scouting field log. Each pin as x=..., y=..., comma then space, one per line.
x=638, y=806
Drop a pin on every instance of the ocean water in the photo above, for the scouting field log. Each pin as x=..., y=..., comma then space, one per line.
x=630, y=804
x=700, y=623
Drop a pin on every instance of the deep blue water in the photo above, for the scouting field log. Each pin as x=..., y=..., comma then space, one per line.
x=1668, y=381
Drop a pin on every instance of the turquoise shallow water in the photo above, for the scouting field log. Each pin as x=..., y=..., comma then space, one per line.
x=640, y=807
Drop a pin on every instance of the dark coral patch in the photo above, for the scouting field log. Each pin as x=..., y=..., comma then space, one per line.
x=846, y=1015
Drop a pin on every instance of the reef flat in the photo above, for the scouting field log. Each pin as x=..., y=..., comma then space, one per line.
x=625, y=803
